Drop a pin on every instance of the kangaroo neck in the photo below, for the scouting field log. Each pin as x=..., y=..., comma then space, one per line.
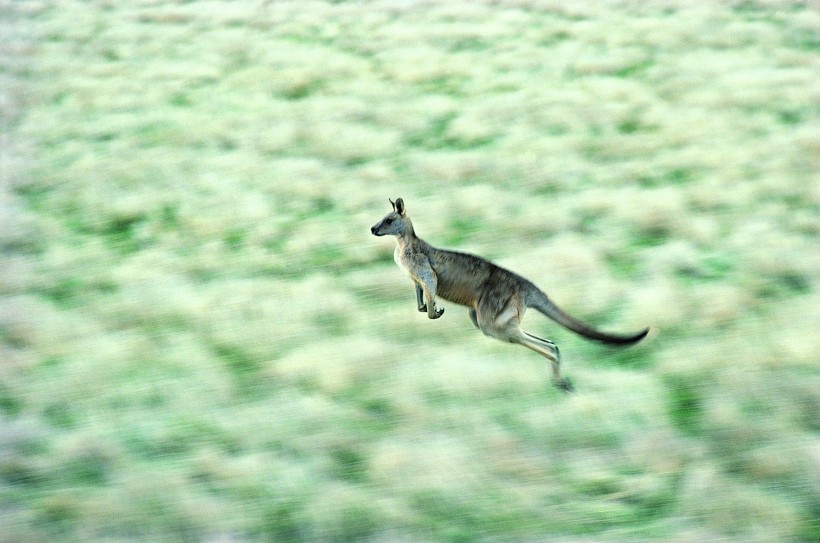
x=408, y=235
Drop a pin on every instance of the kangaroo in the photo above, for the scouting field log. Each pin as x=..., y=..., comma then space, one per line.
x=497, y=297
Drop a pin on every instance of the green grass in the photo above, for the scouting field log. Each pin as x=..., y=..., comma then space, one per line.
x=201, y=341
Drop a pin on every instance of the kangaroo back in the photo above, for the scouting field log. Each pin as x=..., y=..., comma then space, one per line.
x=539, y=301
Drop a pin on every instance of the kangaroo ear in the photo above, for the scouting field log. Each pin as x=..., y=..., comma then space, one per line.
x=399, y=206
x=392, y=203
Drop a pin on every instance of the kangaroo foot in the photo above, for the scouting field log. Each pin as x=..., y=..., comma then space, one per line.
x=565, y=385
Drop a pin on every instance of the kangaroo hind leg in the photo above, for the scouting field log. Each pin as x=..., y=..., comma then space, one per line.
x=502, y=321
x=549, y=350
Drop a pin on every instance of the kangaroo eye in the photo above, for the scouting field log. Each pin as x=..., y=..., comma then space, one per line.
x=388, y=221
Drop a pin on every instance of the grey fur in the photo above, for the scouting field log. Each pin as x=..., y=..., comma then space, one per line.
x=497, y=297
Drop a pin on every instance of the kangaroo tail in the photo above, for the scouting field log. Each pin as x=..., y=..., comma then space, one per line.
x=539, y=301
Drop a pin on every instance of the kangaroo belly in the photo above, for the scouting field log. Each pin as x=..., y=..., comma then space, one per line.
x=457, y=292
x=460, y=276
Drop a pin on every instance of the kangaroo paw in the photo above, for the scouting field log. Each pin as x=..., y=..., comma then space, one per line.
x=437, y=313
x=423, y=308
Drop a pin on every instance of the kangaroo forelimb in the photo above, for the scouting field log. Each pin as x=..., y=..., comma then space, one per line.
x=420, y=299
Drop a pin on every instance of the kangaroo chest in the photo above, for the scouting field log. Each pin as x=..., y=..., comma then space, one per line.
x=403, y=257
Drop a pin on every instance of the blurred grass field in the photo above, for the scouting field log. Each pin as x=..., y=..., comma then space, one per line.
x=201, y=341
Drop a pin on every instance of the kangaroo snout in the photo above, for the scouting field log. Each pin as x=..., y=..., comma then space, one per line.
x=377, y=229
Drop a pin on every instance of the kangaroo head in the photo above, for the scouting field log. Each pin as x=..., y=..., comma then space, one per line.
x=395, y=223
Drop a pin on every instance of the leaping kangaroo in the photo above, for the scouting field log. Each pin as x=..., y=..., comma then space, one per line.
x=497, y=297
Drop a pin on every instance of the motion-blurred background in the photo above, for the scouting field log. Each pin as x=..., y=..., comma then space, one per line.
x=201, y=341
